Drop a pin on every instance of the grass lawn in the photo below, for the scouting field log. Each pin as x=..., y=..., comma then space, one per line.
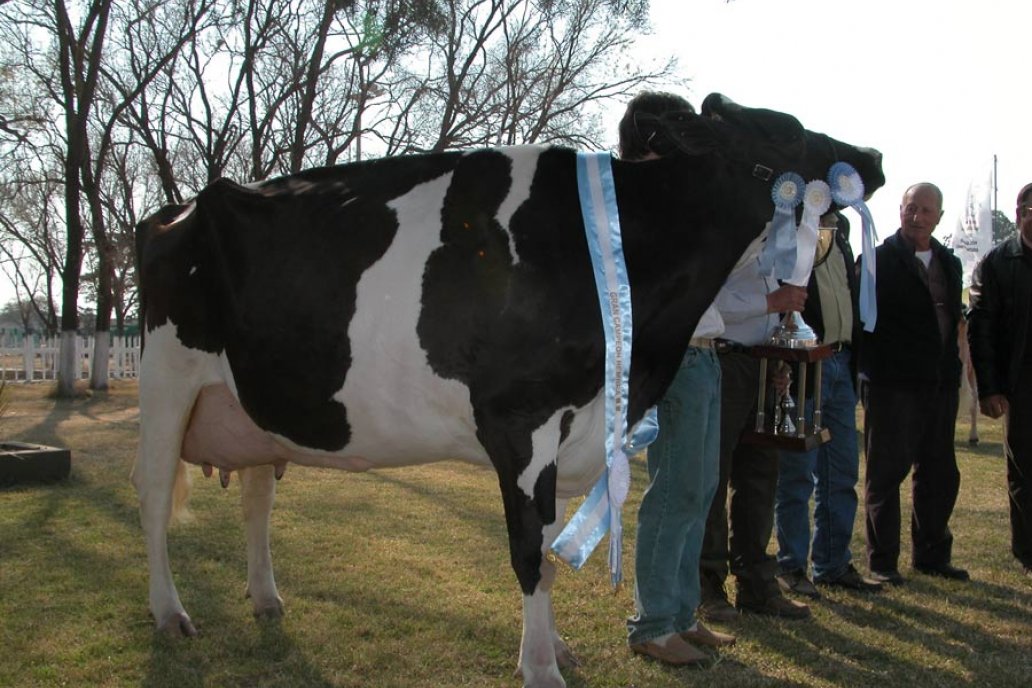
x=401, y=578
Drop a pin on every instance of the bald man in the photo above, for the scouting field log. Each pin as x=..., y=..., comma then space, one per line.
x=910, y=368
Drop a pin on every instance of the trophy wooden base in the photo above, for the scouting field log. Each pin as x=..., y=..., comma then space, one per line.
x=793, y=443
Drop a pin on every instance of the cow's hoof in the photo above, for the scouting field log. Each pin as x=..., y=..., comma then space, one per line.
x=546, y=682
x=543, y=679
x=269, y=612
x=973, y=441
x=177, y=625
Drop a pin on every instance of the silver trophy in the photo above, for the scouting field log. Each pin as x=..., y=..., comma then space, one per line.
x=794, y=341
x=783, y=424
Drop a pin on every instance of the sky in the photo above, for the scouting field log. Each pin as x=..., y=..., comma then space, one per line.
x=938, y=86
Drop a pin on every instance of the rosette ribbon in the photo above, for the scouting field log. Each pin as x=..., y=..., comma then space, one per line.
x=601, y=511
x=779, y=251
x=847, y=189
x=816, y=201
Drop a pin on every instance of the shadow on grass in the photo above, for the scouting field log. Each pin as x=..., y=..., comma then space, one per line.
x=88, y=554
x=986, y=450
x=490, y=522
x=903, y=635
x=273, y=659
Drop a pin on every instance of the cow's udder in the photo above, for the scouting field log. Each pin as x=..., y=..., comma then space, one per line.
x=221, y=433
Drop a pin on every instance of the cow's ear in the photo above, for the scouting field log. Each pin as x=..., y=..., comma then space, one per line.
x=718, y=106
x=689, y=132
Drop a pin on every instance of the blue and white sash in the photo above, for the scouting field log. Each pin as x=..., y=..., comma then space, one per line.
x=601, y=511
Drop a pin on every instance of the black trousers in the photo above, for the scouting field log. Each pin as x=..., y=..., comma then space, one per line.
x=1019, y=467
x=751, y=473
x=908, y=428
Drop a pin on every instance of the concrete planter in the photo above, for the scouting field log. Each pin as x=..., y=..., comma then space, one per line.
x=21, y=462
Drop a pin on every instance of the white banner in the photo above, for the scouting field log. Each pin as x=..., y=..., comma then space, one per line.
x=974, y=235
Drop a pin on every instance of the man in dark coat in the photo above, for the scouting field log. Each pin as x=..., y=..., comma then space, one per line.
x=911, y=370
x=1000, y=340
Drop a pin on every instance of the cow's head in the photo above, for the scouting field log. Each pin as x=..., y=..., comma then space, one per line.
x=782, y=140
x=689, y=218
x=757, y=145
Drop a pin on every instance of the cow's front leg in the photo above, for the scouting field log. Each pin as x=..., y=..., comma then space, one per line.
x=526, y=466
x=258, y=489
x=532, y=617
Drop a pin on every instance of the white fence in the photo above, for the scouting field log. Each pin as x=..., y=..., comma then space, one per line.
x=34, y=358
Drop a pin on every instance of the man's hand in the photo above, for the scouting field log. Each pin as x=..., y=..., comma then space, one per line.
x=786, y=298
x=994, y=405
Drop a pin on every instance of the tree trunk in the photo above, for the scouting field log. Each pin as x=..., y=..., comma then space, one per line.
x=68, y=369
x=99, y=376
x=79, y=68
x=105, y=270
x=99, y=361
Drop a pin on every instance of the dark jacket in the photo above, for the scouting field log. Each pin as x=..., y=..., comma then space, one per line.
x=1001, y=297
x=813, y=313
x=906, y=348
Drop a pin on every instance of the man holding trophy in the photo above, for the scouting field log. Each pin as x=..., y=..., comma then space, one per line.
x=750, y=303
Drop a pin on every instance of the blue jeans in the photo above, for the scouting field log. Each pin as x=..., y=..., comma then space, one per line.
x=683, y=467
x=829, y=473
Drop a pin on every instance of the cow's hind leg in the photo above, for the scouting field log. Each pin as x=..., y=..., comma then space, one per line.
x=155, y=480
x=158, y=473
x=258, y=488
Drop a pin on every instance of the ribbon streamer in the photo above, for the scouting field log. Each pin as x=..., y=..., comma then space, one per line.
x=816, y=201
x=847, y=189
x=601, y=511
x=643, y=433
x=779, y=252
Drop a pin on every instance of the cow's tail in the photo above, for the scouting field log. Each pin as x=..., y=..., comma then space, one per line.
x=181, y=484
x=180, y=496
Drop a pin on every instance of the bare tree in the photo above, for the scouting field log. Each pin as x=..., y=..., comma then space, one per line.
x=127, y=188
x=31, y=241
x=61, y=47
x=80, y=50
x=136, y=55
x=518, y=71
x=32, y=248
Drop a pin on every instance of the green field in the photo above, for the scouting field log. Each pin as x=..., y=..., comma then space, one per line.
x=401, y=578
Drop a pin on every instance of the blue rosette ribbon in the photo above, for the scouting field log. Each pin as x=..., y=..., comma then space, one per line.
x=847, y=189
x=816, y=201
x=779, y=252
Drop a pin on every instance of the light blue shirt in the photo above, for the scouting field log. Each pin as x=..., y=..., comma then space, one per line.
x=742, y=303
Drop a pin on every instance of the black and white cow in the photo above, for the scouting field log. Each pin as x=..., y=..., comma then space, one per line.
x=416, y=309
